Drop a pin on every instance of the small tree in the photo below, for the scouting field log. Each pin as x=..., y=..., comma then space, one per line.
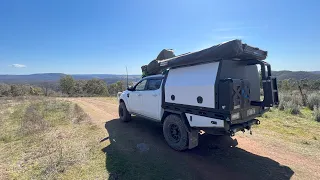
x=79, y=88
x=19, y=90
x=36, y=91
x=114, y=88
x=67, y=84
x=5, y=89
x=96, y=87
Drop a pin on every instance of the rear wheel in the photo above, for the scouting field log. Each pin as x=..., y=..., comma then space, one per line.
x=175, y=133
x=124, y=115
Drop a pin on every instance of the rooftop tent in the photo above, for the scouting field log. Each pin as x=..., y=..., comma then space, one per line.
x=233, y=49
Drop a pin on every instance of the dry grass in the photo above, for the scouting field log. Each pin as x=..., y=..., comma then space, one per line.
x=79, y=115
x=49, y=139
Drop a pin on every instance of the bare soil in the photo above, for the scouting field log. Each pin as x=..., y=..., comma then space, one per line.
x=217, y=157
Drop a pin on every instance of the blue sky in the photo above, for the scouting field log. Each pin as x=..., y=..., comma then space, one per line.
x=104, y=36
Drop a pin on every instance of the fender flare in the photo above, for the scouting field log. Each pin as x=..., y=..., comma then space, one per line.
x=193, y=134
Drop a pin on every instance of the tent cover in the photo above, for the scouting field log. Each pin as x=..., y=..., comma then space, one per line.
x=231, y=50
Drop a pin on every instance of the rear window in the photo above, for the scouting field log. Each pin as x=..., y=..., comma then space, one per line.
x=154, y=84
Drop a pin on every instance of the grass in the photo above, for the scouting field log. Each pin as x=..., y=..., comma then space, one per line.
x=48, y=139
x=298, y=132
x=54, y=139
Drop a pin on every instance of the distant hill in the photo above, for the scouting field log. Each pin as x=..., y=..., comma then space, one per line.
x=32, y=78
x=297, y=75
x=112, y=78
x=55, y=77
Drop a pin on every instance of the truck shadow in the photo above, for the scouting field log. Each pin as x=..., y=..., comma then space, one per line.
x=138, y=150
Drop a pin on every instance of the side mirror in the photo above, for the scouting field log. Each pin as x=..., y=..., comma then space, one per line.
x=130, y=88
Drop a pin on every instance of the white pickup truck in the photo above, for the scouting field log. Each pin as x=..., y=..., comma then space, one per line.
x=217, y=97
x=215, y=90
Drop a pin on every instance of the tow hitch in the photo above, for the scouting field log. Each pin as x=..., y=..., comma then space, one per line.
x=242, y=127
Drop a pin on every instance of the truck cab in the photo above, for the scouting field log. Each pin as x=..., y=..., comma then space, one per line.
x=144, y=98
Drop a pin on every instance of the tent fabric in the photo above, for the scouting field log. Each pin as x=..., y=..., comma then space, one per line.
x=166, y=54
x=234, y=49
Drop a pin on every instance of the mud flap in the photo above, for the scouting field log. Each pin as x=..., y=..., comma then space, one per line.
x=193, y=137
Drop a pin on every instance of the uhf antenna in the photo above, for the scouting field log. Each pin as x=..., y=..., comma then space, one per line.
x=127, y=77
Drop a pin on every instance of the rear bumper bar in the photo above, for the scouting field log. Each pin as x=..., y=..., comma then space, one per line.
x=241, y=127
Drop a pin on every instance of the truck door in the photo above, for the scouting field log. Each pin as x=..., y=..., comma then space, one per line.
x=151, y=99
x=135, y=97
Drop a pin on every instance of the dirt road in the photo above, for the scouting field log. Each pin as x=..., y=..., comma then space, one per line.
x=137, y=150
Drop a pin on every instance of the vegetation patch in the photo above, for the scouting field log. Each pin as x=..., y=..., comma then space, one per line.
x=316, y=114
x=313, y=101
x=49, y=139
x=292, y=131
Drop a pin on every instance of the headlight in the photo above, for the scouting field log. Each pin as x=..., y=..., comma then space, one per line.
x=235, y=116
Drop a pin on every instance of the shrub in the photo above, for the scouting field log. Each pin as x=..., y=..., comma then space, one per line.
x=281, y=105
x=290, y=101
x=313, y=100
x=5, y=89
x=292, y=107
x=96, y=87
x=316, y=114
x=79, y=115
x=19, y=90
x=67, y=84
x=33, y=121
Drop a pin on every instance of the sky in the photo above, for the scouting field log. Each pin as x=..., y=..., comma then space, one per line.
x=105, y=36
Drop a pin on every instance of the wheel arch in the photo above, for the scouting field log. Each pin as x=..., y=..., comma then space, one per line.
x=182, y=115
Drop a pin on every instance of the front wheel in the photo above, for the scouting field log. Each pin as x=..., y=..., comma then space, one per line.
x=124, y=115
x=175, y=133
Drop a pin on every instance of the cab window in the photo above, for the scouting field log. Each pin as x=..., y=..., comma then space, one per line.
x=141, y=86
x=154, y=84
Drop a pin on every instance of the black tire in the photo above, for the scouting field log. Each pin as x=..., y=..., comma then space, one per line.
x=175, y=132
x=124, y=115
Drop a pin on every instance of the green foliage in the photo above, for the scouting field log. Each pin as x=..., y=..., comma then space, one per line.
x=316, y=114
x=306, y=84
x=67, y=84
x=5, y=89
x=96, y=87
x=313, y=101
x=79, y=88
x=281, y=106
x=116, y=87
x=290, y=102
x=54, y=139
x=36, y=91
x=20, y=90
x=293, y=96
x=292, y=108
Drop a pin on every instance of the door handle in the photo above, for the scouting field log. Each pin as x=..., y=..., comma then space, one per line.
x=139, y=95
x=154, y=95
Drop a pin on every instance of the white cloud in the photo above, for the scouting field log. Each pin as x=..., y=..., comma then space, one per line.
x=18, y=66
